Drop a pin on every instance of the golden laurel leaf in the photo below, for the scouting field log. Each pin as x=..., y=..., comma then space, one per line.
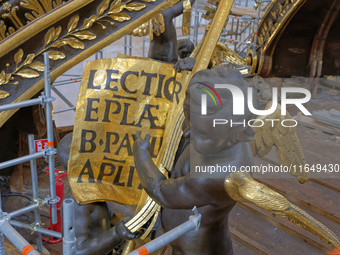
x=117, y=9
x=88, y=22
x=29, y=59
x=148, y=1
x=85, y=35
x=49, y=36
x=76, y=44
x=2, y=77
x=4, y=94
x=28, y=74
x=135, y=7
x=102, y=7
x=57, y=33
x=73, y=23
x=115, y=3
x=55, y=55
x=120, y=17
x=37, y=66
x=60, y=43
x=8, y=77
x=18, y=56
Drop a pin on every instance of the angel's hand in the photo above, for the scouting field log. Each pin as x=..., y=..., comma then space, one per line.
x=125, y=233
x=141, y=144
x=185, y=64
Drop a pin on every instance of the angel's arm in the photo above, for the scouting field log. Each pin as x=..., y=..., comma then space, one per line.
x=180, y=193
x=101, y=244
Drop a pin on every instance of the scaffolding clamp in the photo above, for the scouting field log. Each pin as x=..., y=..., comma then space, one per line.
x=50, y=152
x=44, y=99
x=39, y=203
x=51, y=201
x=4, y=217
x=35, y=226
x=196, y=218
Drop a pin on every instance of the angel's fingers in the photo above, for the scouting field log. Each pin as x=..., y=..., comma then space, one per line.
x=137, y=135
x=147, y=137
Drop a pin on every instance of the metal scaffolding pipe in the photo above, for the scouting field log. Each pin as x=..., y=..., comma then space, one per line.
x=50, y=150
x=2, y=244
x=168, y=237
x=2, y=240
x=69, y=238
x=55, y=90
x=25, y=209
x=256, y=27
x=26, y=103
x=40, y=230
x=65, y=82
x=125, y=45
x=195, y=36
x=34, y=177
x=130, y=45
x=20, y=160
x=16, y=239
x=64, y=110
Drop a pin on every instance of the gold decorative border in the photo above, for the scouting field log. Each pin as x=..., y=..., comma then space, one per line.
x=5, y=115
x=106, y=13
x=271, y=27
x=39, y=24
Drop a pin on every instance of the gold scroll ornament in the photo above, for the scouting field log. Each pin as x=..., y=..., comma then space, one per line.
x=117, y=97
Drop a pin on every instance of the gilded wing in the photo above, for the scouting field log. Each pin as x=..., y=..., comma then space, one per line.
x=242, y=188
x=222, y=52
x=288, y=148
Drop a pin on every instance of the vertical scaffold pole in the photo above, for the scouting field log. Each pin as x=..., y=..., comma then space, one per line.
x=2, y=240
x=195, y=36
x=50, y=150
x=69, y=239
x=34, y=178
x=257, y=20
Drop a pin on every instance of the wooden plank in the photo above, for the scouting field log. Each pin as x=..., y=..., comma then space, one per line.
x=310, y=122
x=263, y=238
x=240, y=249
x=287, y=226
x=331, y=183
x=249, y=243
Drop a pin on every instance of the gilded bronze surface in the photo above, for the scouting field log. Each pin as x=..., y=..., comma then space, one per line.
x=242, y=188
x=288, y=148
x=272, y=24
x=213, y=34
x=16, y=16
x=109, y=113
x=96, y=26
x=222, y=52
x=186, y=17
x=174, y=130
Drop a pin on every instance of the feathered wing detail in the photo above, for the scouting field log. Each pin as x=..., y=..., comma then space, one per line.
x=288, y=148
x=242, y=188
x=223, y=52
